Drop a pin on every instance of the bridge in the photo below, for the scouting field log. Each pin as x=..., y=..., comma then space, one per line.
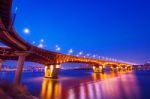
x=19, y=49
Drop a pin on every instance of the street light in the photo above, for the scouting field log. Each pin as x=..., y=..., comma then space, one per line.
x=40, y=45
x=70, y=51
x=26, y=31
x=88, y=55
x=94, y=56
x=99, y=57
x=58, y=48
x=80, y=53
x=33, y=42
x=77, y=55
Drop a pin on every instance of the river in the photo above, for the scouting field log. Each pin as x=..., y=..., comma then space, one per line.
x=84, y=84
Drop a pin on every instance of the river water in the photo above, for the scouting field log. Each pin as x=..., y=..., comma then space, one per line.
x=84, y=84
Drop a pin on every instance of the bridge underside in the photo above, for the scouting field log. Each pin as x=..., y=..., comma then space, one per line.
x=51, y=67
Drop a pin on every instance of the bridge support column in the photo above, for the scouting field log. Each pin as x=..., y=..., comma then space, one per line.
x=1, y=63
x=19, y=69
x=119, y=68
x=52, y=71
x=124, y=68
x=98, y=69
x=130, y=68
x=115, y=69
x=111, y=68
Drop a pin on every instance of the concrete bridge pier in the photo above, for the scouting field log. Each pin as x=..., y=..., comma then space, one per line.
x=52, y=71
x=130, y=68
x=98, y=69
x=1, y=63
x=111, y=68
x=115, y=68
x=119, y=68
x=125, y=68
x=19, y=67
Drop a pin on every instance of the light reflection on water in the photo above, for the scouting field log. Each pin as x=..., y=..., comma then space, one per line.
x=50, y=89
x=79, y=84
x=98, y=86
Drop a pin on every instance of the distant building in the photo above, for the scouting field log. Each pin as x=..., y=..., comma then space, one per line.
x=146, y=66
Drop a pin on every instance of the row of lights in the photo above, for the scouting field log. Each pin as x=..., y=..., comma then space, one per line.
x=88, y=55
x=40, y=45
x=70, y=51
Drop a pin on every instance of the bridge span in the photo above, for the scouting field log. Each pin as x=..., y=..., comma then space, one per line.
x=21, y=50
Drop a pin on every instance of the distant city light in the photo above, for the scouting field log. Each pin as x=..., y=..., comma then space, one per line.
x=26, y=31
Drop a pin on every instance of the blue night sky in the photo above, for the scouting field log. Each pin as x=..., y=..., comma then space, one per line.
x=114, y=28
